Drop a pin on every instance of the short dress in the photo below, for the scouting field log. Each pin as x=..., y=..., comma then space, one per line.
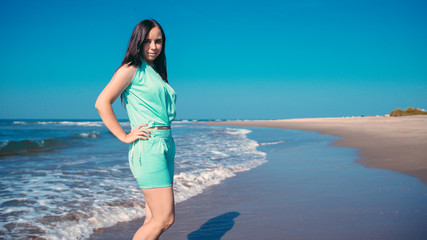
x=150, y=100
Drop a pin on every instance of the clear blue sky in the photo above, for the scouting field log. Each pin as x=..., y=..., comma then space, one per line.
x=226, y=59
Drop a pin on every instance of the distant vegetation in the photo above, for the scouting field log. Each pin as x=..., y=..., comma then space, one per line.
x=410, y=111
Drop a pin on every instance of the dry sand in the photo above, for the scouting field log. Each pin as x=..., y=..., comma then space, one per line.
x=392, y=143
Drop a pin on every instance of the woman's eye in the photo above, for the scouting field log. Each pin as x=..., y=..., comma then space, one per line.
x=158, y=41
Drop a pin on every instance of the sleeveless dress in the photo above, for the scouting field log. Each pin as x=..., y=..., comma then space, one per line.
x=150, y=100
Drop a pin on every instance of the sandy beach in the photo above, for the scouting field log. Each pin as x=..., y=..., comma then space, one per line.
x=392, y=143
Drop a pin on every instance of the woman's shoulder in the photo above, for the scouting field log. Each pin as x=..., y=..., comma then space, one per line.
x=127, y=69
x=127, y=72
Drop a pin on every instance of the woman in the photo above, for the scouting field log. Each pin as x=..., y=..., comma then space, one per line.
x=141, y=80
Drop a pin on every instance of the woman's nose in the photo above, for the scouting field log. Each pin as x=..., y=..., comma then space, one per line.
x=153, y=45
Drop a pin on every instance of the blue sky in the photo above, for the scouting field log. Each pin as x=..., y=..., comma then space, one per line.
x=226, y=59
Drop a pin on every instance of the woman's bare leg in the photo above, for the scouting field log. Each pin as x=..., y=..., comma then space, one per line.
x=162, y=208
x=147, y=213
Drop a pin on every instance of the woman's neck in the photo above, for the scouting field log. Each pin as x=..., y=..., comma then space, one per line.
x=149, y=63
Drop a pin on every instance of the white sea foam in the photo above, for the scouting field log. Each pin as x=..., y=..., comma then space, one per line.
x=237, y=131
x=93, y=134
x=181, y=121
x=4, y=143
x=219, y=153
x=63, y=123
x=271, y=143
x=19, y=122
x=70, y=123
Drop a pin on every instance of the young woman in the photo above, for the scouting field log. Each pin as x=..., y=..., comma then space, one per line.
x=142, y=82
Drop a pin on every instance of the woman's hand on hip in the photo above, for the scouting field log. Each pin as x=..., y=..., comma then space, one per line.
x=137, y=133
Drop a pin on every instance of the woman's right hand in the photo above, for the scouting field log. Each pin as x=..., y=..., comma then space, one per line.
x=137, y=133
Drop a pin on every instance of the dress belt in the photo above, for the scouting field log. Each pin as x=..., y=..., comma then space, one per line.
x=159, y=127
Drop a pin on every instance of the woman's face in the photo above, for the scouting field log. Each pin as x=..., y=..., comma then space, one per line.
x=152, y=45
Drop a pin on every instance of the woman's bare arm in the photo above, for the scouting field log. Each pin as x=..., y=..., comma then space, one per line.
x=118, y=83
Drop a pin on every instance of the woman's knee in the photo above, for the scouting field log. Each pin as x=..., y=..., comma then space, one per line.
x=165, y=222
x=171, y=220
x=168, y=221
x=147, y=219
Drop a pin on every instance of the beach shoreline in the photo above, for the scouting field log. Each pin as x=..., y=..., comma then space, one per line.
x=391, y=143
x=308, y=189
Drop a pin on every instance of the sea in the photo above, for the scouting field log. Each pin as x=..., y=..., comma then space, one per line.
x=62, y=179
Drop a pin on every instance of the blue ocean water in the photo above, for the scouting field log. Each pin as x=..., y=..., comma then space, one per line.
x=63, y=179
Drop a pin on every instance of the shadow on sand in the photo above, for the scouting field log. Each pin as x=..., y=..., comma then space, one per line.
x=215, y=227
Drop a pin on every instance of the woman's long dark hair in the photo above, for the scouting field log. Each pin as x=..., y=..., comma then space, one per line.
x=134, y=52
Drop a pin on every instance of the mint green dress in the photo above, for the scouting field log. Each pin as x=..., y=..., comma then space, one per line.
x=150, y=100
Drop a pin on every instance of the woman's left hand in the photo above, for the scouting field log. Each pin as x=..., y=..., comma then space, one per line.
x=137, y=133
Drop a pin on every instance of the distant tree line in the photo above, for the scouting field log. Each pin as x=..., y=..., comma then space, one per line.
x=410, y=111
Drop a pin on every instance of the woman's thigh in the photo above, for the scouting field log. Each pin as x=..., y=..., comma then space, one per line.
x=161, y=202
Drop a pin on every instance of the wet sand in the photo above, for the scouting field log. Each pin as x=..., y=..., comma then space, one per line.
x=392, y=143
